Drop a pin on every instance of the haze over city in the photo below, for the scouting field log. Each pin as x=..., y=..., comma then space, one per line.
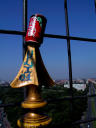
x=82, y=23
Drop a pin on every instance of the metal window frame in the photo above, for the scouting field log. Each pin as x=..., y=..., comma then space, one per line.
x=68, y=38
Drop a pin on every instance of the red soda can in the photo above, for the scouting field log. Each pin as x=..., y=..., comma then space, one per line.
x=36, y=29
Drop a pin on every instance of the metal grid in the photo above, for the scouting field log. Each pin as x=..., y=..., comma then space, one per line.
x=68, y=38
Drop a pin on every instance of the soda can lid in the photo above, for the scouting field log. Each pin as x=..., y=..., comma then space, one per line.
x=39, y=15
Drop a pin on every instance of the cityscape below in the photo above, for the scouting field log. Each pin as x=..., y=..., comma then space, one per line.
x=86, y=87
x=79, y=84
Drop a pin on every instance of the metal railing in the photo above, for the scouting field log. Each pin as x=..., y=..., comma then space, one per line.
x=66, y=37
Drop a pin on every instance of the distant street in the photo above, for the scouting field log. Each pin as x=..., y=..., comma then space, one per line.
x=94, y=92
x=91, y=101
x=89, y=110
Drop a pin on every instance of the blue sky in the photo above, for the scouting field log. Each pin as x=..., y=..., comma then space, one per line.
x=82, y=23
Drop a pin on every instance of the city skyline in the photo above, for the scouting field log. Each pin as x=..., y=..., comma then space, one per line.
x=82, y=23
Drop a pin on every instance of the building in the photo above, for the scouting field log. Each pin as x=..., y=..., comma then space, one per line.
x=77, y=86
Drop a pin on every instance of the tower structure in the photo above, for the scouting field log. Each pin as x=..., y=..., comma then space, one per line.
x=33, y=75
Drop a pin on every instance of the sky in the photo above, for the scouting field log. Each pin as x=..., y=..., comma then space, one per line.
x=82, y=23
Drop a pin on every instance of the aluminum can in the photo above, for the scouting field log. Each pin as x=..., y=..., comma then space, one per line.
x=36, y=29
